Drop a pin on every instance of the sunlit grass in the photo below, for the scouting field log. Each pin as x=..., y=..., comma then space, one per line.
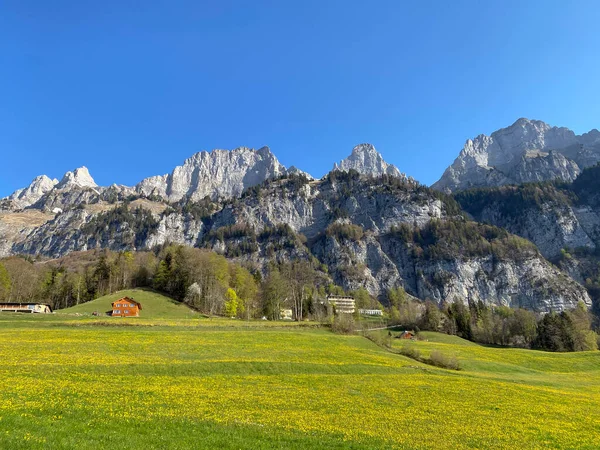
x=185, y=386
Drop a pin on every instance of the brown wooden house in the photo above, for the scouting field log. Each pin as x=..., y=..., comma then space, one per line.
x=126, y=307
x=407, y=335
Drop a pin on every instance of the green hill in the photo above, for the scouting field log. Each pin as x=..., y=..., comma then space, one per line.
x=154, y=305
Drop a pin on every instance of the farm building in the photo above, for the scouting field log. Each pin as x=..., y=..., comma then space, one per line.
x=370, y=312
x=126, y=307
x=406, y=335
x=343, y=304
x=42, y=308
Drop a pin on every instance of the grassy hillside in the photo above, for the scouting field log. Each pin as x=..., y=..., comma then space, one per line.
x=565, y=370
x=154, y=305
x=89, y=387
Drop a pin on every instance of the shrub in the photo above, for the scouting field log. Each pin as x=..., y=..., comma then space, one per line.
x=383, y=340
x=411, y=351
x=343, y=231
x=343, y=324
x=438, y=359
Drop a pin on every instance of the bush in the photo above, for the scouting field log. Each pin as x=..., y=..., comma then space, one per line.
x=383, y=340
x=411, y=351
x=343, y=231
x=343, y=324
x=438, y=359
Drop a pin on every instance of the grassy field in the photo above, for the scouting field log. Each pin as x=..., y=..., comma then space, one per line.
x=74, y=382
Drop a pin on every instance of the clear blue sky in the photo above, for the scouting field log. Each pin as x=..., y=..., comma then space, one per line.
x=131, y=89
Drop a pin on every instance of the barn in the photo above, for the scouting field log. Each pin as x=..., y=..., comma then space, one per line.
x=43, y=308
x=406, y=335
x=126, y=307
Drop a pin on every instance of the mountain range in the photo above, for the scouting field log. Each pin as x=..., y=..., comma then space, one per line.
x=365, y=223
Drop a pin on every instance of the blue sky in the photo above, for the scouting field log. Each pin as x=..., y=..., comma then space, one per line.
x=131, y=89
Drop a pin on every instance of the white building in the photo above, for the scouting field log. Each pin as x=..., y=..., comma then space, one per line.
x=370, y=312
x=342, y=303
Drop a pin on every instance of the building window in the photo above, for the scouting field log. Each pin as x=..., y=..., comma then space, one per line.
x=131, y=306
x=125, y=311
x=116, y=311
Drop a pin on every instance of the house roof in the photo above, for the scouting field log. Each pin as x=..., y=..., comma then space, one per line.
x=127, y=300
x=24, y=303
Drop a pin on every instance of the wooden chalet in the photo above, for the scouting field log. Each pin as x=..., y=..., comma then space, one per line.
x=126, y=307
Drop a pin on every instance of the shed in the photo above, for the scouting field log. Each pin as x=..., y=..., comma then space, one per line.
x=407, y=335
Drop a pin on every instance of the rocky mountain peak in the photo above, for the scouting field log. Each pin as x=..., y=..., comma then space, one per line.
x=219, y=173
x=520, y=153
x=367, y=160
x=79, y=177
x=293, y=170
x=22, y=198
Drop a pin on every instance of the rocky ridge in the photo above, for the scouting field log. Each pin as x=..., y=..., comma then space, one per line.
x=364, y=223
x=526, y=151
x=218, y=174
x=348, y=223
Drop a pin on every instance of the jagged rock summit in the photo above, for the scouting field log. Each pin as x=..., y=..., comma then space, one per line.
x=220, y=173
x=526, y=151
x=368, y=161
x=79, y=177
x=42, y=187
x=22, y=198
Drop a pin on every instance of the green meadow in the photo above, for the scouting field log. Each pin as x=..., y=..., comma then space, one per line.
x=173, y=379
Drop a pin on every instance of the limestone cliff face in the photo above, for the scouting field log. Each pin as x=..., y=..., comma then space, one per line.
x=528, y=150
x=218, y=174
x=25, y=197
x=380, y=263
x=554, y=217
x=309, y=207
x=79, y=178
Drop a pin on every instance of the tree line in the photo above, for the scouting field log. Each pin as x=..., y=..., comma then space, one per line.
x=569, y=330
x=214, y=285
x=203, y=279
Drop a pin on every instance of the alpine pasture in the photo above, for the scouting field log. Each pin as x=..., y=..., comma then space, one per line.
x=173, y=379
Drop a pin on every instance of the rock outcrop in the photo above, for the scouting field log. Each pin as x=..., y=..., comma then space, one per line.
x=78, y=178
x=527, y=151
x=25, y=197
x=368, y=161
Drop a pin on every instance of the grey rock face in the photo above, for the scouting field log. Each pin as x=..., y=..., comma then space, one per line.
x=368, y=161
x=79, y=178
x=379, y=263
x=309, y=209
x=43, y=193
x=293, y=170
x=177, y=228
x=25, y=197
x=218, y=174
x=528, y=150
